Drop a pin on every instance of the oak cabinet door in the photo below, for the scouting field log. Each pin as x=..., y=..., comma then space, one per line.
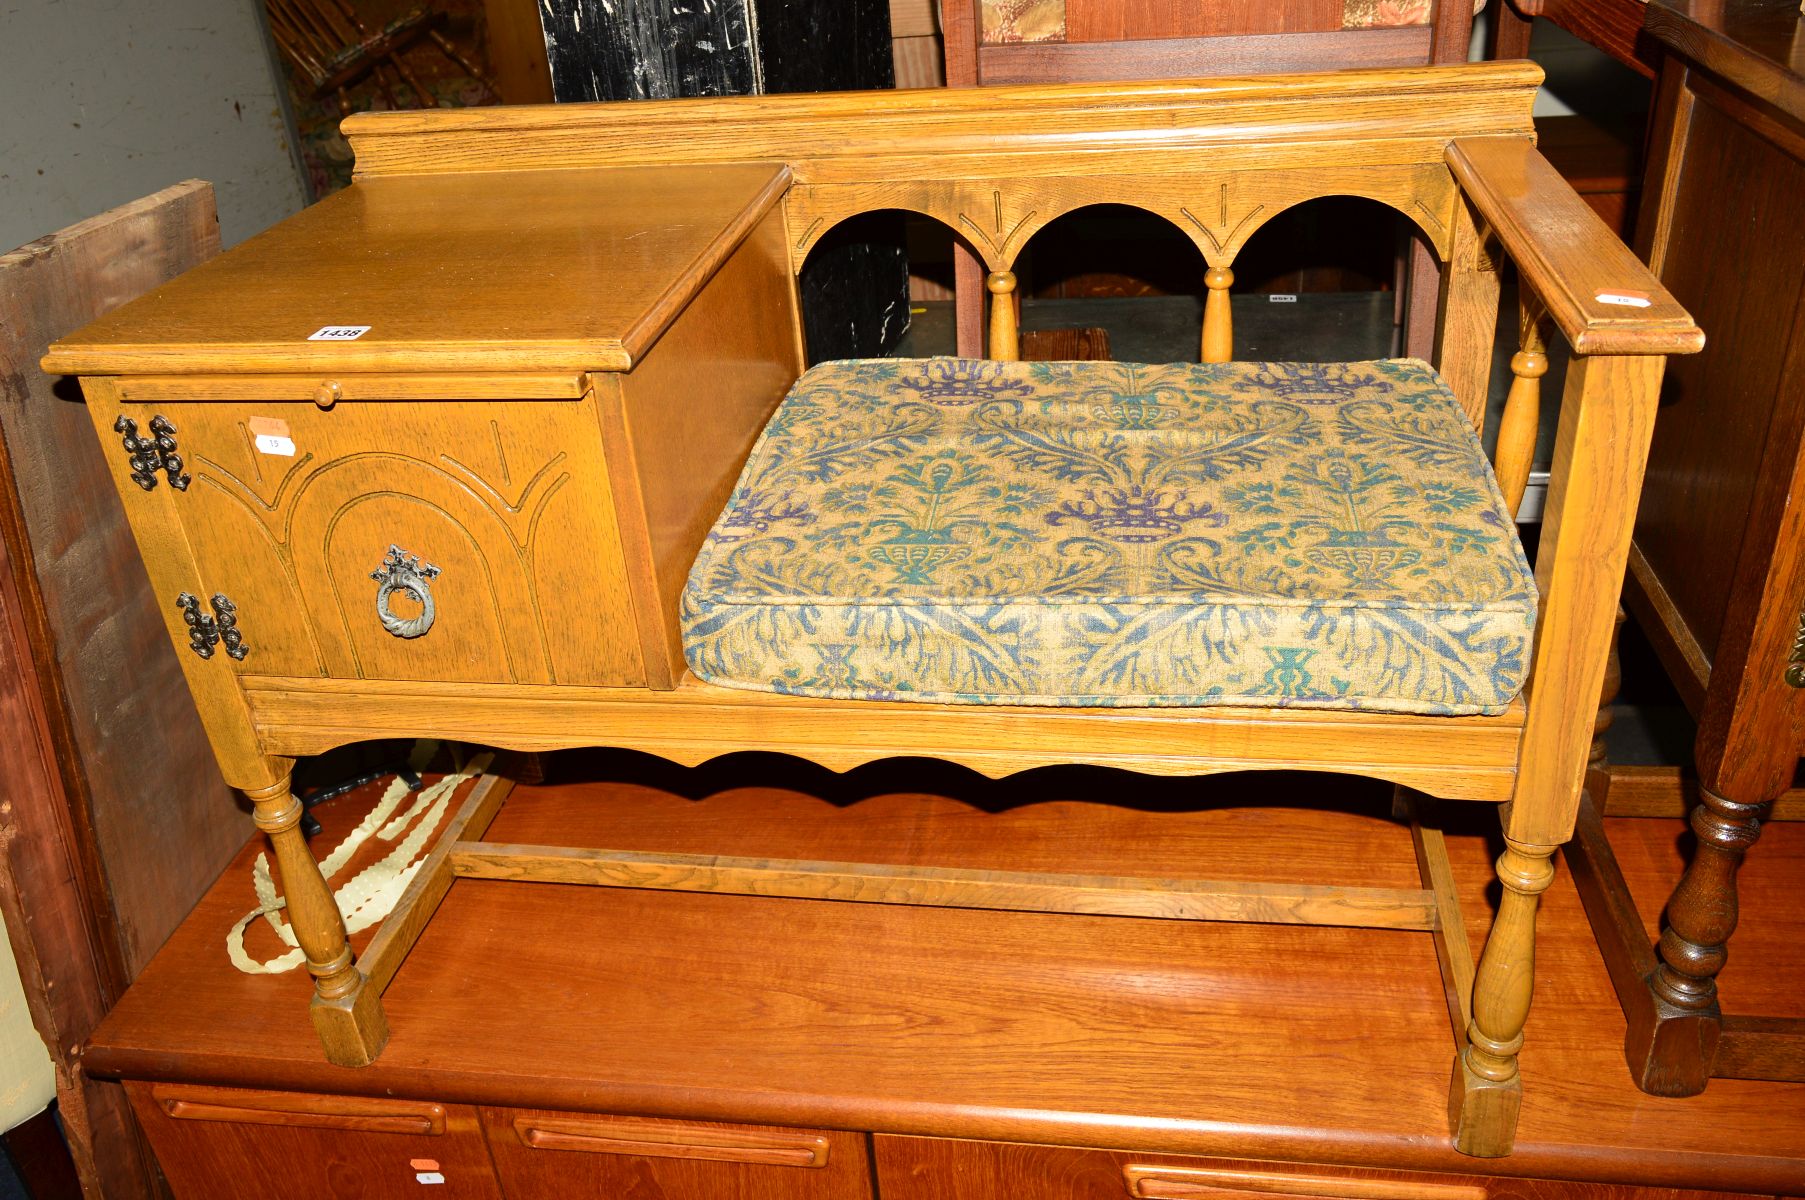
x=552, y=1154
x=438, y=540
x=213, y=1142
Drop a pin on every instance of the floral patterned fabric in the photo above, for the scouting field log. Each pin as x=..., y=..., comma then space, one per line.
x=1325, y=535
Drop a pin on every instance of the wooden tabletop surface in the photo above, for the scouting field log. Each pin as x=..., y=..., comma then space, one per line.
x=1323, y=1045
x=479, y=271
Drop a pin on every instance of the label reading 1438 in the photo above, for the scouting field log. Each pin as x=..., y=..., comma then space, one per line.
x=338, y=333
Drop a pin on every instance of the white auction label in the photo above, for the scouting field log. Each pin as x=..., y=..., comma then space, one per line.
x=338, y=333
x=271, y=443
x=1626, y=299
x=1282, y=298
x=428, y=1177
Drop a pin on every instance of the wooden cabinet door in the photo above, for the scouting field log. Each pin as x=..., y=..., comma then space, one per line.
x=552, y=1154
x=941, y=1169
x=290, y=511
x=214, y=1142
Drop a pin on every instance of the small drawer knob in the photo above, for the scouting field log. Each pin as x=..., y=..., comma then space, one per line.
x=328, y=394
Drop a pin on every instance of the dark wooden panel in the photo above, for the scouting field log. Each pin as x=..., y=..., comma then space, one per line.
x=1740, y=279
x=541, y=1153
x=1614, y=26
x=1119, y=20
x=115, y=818
x=1754, y=44
x=163, y=822
x=281, y=1146
x=1182, y=58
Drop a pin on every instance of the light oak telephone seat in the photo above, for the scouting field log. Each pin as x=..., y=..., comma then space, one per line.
x=370, y=516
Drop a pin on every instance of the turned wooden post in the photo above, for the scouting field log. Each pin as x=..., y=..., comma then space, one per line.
x=1487, y=1091
x=346, y=1012
x=1218, y=324
x=1675, y=1045
x=1004, y=345
x=1518, y=426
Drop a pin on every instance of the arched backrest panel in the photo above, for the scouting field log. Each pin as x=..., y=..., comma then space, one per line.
x=1217, y=210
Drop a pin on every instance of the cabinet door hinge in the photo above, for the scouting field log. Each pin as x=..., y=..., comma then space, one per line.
x=148, y=455
x=206, y=632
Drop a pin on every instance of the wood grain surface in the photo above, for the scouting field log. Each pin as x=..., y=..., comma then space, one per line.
x=575, y=269
x=1149, y=1036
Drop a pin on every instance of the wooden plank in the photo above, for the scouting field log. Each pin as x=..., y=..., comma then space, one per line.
x=1652, y=791
x=1453, y=953
x=952, y=887
x=1761, y=1048
x=402, y=928
x=1622, y=940
x=1190, y=58
x=516, y=45
x=1467, y=758
x=1567, y=254
x=1687, y=663
x=117, y=818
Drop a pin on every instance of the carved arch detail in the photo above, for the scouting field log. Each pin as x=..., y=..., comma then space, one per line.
x=1218, y=211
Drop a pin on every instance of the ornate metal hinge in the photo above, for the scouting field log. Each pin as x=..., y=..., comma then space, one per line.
x=148, y=455
x=206, y=632
x=1795, y=662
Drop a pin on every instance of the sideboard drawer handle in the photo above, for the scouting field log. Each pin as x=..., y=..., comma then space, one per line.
x=348, y=1113
x=403, y=572
x=1151, y=1182
x=654, y=1139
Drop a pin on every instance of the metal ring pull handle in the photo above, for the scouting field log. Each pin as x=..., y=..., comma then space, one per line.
x=403, y=572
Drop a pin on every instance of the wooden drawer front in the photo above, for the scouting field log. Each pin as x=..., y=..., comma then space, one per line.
x=214, y=1142
x=509, y=500
x=540, y=1153
x=937, y=1169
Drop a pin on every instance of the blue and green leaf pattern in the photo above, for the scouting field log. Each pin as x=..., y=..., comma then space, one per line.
x=1324, y=535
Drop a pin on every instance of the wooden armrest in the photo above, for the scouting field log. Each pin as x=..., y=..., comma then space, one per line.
x=1567, y=254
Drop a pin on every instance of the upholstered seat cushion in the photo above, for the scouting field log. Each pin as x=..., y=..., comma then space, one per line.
x=1114, y=534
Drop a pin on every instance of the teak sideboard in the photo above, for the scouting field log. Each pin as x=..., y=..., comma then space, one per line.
x=434, y=458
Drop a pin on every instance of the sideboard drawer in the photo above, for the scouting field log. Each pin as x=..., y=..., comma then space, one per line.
x=539, y=1153
x=214, y=1142
x=911, y=1168
x=382, y=532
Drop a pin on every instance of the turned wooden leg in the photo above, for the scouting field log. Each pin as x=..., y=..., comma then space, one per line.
x=346, y=1012
x=1486, y=1091
x=1672, y=1042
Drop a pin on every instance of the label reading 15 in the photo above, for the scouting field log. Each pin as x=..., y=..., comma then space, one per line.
x=338, y=333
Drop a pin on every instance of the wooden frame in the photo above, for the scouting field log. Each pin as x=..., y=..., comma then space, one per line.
x=1450, y=147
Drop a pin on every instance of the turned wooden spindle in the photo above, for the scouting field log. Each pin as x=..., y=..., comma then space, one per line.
x=1004, y=344
x=1701, y=913
x=1517, y=428
x=1218, y=324
x=347, y=1014
x=1486, y=1090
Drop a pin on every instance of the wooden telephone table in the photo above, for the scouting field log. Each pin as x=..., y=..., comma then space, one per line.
x=434, y=457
